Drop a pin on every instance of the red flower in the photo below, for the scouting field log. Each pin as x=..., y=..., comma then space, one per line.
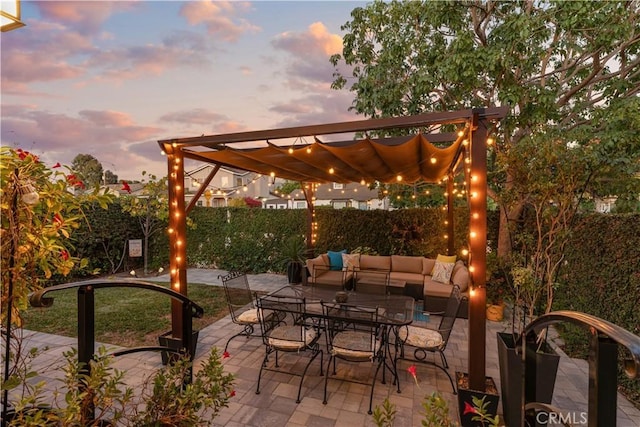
x=73, y=180
x=125, y=187
x=233, y=393
x=468, y=409
x=412, y=371
x=57, y=165
x=57, y=220
x=22, y=154
x=225, y=355
x=64, y=255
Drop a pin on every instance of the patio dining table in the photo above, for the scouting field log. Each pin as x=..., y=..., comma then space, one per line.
x=393, y=311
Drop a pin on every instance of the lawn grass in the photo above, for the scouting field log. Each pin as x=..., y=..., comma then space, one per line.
x=124, y=317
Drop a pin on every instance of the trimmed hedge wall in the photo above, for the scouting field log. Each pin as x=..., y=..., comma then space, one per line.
x=601, y=276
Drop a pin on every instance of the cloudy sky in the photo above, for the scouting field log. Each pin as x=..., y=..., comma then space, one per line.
x=111, y=78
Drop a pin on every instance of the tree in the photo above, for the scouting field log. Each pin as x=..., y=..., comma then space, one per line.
x=151, y=208
x=568, y=69
x=288, y=187
x=88, y=169
x=110, y=177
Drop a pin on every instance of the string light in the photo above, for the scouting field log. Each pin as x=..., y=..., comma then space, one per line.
x=331, y=170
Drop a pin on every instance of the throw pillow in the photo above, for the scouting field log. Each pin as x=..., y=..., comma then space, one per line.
x=335, y=259
x=351, y=262
x=444, y=258
x=442, y=272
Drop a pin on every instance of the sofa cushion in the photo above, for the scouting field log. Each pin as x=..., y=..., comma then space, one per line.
x=375, y=262
x=335, y=259
x=416, y=278
x=436, y=289
x=406, y=264
x=444, y=258
x=460, y=277
x=427, y=265
x=331, y=277
x=442, y=272
x=351, y=262
x=320, y=260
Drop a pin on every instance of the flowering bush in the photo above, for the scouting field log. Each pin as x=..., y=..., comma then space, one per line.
x=39, y=213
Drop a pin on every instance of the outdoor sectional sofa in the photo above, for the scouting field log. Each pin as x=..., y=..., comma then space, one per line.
x=414, y=271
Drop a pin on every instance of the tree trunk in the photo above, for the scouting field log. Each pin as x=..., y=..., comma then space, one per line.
x=504, y=234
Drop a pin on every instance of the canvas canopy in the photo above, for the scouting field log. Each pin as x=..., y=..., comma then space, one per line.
x=408, y=159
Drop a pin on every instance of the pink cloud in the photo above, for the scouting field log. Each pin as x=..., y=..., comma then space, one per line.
x=331, y=107
x=106, y=118
x=220, y=18
x=196, y=116
x=309, y=51
x=86, y=17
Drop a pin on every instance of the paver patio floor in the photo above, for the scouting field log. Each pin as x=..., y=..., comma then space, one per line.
x=348, y=403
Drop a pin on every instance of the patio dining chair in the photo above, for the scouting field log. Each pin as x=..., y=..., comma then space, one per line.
x=292, y=333
x=426, y=340
x=353, y=335
x=240, y=301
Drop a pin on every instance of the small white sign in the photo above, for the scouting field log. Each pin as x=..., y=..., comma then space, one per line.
x=135, y=248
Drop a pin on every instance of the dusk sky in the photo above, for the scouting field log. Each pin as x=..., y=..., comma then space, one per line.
x=111, y=78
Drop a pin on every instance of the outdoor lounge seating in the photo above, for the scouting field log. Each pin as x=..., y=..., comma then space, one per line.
x=353, y=335
x=425, y=340
x=287, y=330
x=415, y=271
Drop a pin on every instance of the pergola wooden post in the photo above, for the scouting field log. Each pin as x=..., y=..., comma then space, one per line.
x=474, y=120
x=477, y=252
x=177, y=233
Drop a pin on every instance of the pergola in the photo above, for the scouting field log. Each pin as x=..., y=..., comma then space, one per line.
x=301, y=154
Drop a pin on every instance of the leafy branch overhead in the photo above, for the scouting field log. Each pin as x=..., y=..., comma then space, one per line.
x=568, y=70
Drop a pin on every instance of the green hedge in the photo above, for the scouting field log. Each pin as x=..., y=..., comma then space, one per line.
x=601, y=276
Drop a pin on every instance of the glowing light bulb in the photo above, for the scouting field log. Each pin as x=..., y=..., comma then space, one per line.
x=290, y=150
x=465, y=252
x=308, y=150
x=460, y=132
x=489, y=141
x=433, y=160
x=399, y=178
x=473, y=234
x=331, y=170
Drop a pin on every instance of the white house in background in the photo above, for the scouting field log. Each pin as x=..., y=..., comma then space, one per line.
x=228, y=183
x=336, y=195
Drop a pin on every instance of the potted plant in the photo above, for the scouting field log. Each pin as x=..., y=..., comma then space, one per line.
x=527, y=290
x=293, y=257
x=496, y=288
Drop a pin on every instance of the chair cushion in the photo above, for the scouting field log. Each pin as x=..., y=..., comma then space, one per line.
x=436, y=289
x=250, y=316
x=355, y=345
x=420, y=337
x=292, y=337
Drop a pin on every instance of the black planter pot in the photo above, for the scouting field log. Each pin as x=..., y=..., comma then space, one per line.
x=510, y=364
x=166, y=340
x=465, y=400
x=294, y=272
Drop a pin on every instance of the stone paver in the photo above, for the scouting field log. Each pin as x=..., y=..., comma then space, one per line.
x=347, y=403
